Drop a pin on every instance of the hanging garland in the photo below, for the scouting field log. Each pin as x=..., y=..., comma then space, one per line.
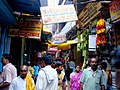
x=101, y=31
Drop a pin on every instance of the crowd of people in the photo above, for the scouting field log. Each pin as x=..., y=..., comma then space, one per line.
x=49, y=75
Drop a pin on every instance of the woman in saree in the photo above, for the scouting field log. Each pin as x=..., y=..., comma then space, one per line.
x=75, y=78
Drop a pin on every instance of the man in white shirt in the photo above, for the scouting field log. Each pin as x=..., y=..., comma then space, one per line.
x=47, y=78
x=9, y=72
x=20, y=82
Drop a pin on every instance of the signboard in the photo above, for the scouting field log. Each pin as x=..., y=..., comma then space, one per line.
x=57, y=39
x=36, y=34
x=115, y=9
x=27, y=28
x=57, y=14
x=90, y=11
x=92, y=42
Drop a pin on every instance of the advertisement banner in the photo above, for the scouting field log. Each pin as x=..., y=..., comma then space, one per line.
x=58, y=14
x=114, y=7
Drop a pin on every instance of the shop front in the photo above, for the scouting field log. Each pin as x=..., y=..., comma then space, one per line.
x=88, y=19
x=114, y=7
x=115, y=17
x=30, y=39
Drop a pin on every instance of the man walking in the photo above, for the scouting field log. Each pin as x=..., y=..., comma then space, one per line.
x=92, y=78
x=9, y=72
x=24, y=81
x=61, y=76
x=47, y=78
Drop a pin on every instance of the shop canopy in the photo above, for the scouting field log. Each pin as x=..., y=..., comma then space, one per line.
x=6, y=13
x=66, y=45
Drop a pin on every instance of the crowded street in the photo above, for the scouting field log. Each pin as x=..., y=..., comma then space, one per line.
x=59, y=44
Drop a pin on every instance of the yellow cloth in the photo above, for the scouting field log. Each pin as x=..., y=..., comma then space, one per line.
x=29, y=83
x=31, y=70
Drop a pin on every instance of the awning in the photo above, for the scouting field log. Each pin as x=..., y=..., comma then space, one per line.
x=6, y=14
x=25, y=6
x=64, y=46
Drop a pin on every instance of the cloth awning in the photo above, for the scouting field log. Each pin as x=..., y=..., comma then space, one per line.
x=64, y=46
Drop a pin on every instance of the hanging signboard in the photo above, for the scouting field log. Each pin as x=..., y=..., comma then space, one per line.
x=57, y=14
x=27, y=28
x=92, y=42
x=57, y=39
x=90, y=11
x=114, y=7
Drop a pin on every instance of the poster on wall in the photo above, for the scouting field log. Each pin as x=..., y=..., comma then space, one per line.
x=92, y=43
x=58, y=14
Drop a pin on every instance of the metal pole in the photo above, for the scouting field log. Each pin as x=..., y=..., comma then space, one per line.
x=22, y=51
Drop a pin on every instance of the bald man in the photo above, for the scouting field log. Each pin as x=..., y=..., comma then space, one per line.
x=20, y=82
